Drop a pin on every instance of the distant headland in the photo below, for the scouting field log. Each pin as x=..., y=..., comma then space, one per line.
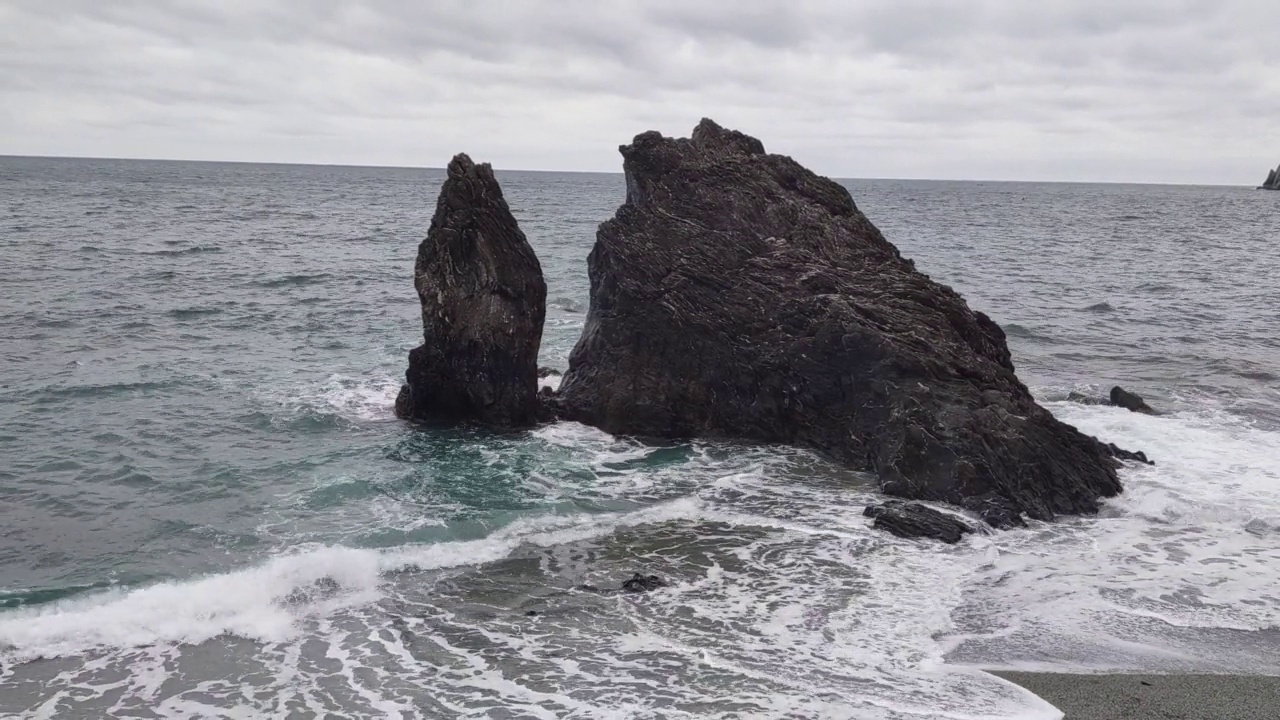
x=1273, y=180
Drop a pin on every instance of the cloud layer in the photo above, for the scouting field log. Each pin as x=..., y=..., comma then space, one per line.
x=1179, y=91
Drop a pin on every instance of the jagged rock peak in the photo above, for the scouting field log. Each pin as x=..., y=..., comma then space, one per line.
x=483, y=302
x=710, y=137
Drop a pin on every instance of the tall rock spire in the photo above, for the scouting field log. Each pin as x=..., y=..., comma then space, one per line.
x=483, y=303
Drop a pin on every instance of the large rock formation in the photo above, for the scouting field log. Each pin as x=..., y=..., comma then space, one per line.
x=483, y=303
x=737, y=294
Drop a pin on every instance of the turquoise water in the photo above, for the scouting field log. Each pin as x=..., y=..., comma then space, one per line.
x=209, y=509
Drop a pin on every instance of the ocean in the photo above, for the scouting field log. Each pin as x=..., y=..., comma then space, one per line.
x=208, y=509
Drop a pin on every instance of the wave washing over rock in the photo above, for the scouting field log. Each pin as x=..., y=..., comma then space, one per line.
x=736, y=294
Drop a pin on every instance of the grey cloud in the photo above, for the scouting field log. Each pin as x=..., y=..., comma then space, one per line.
x=1061, y=89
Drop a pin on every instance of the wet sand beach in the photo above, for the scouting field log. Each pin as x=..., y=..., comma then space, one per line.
x=1155, y=697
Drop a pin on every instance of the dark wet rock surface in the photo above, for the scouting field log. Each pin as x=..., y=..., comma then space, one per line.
x=736, y=294
x=995, y=510
x=913, y=520
x=638, y=583
x=1130, y=401
x=483, y=303
x=1122, y=454
x=1082, y=399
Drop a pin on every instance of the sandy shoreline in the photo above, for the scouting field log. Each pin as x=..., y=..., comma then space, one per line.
x=1154, y=697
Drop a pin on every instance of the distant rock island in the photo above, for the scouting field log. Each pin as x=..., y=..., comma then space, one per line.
x=1273, y=180
x=736, y=294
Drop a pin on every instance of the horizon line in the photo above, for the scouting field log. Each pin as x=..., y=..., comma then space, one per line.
x=585, y=172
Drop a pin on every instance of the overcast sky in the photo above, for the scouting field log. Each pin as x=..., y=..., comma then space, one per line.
x=1159, y=90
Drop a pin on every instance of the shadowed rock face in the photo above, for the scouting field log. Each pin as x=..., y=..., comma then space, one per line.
x=483, y=303
x=737, y=294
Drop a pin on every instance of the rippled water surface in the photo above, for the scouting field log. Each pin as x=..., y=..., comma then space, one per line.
x=207, y=508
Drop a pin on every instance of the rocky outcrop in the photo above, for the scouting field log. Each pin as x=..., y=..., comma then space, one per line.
x=637, y=584
x=1130, y=401
x=483, y=303
x=996, y=510
x=913, y=520
x=1273, y=180
x=1082, y=399
x=736, y=294
x=1119, y=397
x=1122, y=454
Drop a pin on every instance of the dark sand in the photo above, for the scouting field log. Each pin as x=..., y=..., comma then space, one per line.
x=1155, y=697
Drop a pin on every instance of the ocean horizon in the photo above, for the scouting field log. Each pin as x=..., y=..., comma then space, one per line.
x=618, y=173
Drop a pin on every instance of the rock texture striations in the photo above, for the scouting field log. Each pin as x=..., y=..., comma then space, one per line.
x=483, y=303
x=737, y=294
x=915, y=520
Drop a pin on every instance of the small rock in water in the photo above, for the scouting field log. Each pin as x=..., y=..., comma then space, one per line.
x=637, y=584
x=1122, y=454
x=1083, y=399
x=1258, y=527
x=1130, y=401
x=912, y=520
x=643, y=583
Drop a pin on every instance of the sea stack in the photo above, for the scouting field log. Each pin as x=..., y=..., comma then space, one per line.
x=1273, y=180
x=736, y=294
x=483, y=303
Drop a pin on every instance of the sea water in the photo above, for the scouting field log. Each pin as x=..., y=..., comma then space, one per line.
x=207, y=508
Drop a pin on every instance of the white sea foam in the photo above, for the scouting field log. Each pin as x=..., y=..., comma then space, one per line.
x=254, y=603
x=267, y=601
x=551, y=381
x=357, y=399
x=1186, y=554
x=789, y=602
x=574, y=436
